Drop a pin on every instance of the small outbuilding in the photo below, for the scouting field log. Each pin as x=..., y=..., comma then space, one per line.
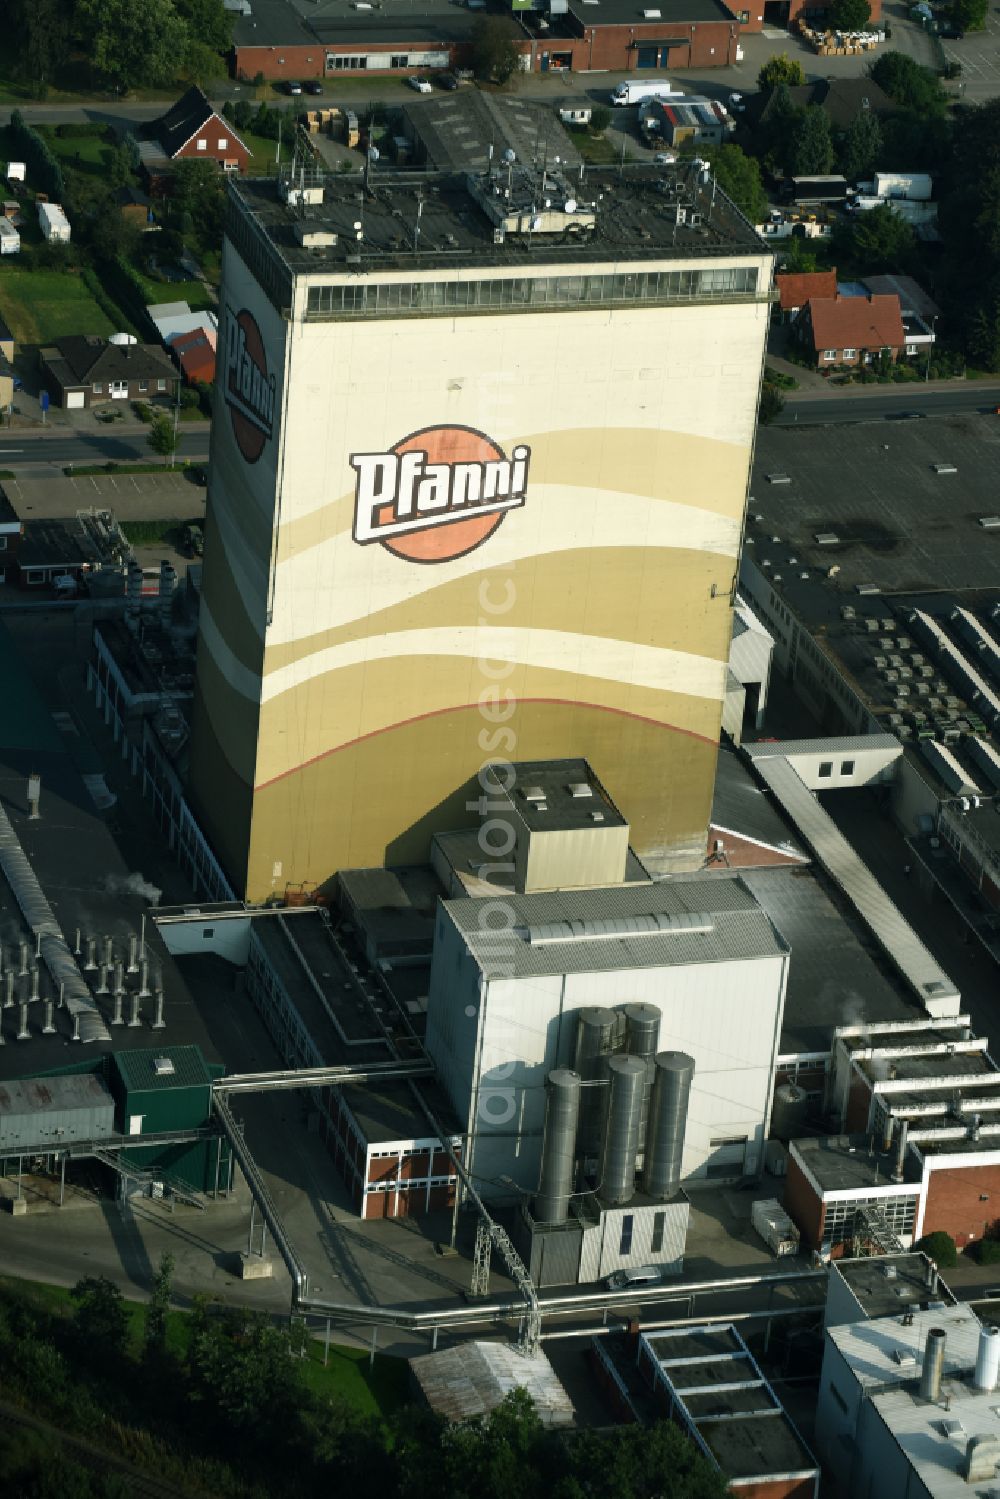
x=472, y=1379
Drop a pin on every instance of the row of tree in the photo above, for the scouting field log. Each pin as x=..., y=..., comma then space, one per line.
x=225, y=1408
x=130, y=46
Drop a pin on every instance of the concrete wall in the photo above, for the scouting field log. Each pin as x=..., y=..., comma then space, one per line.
x=228, y=938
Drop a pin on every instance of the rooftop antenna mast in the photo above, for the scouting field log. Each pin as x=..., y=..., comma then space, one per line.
x=489, y=162
x=416, y=227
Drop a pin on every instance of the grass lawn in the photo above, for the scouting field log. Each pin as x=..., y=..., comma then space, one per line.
x=596, y=150
x=264, y=151
x=192, y=292
x=83, y=151
x=372, y=1392
x=42, y=305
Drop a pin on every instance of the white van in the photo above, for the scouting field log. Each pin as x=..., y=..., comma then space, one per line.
x=631, y=1280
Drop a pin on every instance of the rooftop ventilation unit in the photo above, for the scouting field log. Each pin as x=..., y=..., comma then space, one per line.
x=990, y=522
x=826, y=538
x=944, y=468
x=778, y=479
x=579, y=789
x=656, y=924
x=533, y=794
x=163, y=1066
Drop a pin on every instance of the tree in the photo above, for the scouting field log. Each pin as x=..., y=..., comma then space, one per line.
x=161, y=436
x=496, y=55
x=739, y=177
x=877, y=240
x=600, y=119
x=39, y=34
x=908, y=83
x=134, y=45
x=100, y=1320
x=970, y=15
x=939, y=1247
x=850, y=15
x=772, y=403
x=208, y=21
x=780, y=69
x=779, y=129
x=197, y=199
x=861, y=147
x=812, y=150
x=154, y=1336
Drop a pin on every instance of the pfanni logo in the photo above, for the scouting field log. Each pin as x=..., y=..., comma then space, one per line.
x=249, y=389
x=438, y=494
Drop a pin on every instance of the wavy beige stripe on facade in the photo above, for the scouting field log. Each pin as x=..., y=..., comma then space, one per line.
x=325, y=714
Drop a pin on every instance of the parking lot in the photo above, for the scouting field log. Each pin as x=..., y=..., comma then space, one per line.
x=979, y=56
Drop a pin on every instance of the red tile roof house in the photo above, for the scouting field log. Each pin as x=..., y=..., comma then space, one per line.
x=195, y=353
x=851, y=330
x=193, y=129
x=794, y=291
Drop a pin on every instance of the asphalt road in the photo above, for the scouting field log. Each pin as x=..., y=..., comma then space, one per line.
x=889, y=402
x=29, y=449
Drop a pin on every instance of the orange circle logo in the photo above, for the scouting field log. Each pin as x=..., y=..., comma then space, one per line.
x=437, y=494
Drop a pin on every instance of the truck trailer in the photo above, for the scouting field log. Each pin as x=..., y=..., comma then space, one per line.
x=632, y=90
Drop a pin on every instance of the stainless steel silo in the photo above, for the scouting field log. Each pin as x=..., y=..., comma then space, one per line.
x=595, y=1029
x=622, y=1122
x=664, y=1155
x=642, y=1029
x=555, y=1183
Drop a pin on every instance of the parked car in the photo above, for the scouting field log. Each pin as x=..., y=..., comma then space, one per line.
x=951, y=33
x=447, y=81
x=313, y=86
x=421, y=85
x=736, y=103
x=665, y=158
x=294, y=88
x=631, y=1280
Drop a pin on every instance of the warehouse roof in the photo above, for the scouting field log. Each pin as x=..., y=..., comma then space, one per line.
x=83, y=1090
x=842, y=1163
x=474, y=1378
x=874, y=1349
x=467, y=127
x=670, y=924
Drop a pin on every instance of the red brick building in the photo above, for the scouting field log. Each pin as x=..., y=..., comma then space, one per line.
x=795, y=290
x=192, y=129
x=282, y=40
x=851, y=330
x=389, y=1172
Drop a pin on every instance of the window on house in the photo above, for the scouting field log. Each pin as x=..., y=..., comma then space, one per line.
x=911, y=348
x=97, y=388
x=625, y=1243
x=223, y=142
x=161, y=384
x=401, y=60
x=32, y=577
x=847, y=767
x=203, y=145
x=830, y=354
x=143, y=385
x=825, y=768
x=3, y=543
x=850, y=353
x=659, y=1219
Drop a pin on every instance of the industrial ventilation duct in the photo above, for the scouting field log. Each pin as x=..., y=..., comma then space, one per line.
x=623, y=1120
x=562, y=1109
x=664, y=1157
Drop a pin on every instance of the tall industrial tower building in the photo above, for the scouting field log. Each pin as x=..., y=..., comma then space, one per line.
x=478, y=472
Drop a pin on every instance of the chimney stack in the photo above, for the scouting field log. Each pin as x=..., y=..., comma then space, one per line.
x=91, y=962
x=933, y=1369
x=116, y=1018
x=134, y=1017
x=133, y=951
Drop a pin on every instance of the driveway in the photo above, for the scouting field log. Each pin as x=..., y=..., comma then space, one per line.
x=979, y=55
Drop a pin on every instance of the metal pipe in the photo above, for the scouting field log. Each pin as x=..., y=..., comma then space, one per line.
x=109, y=951
x=133, y=949
x=158, y=1021
x=76, y=943
x=933, y=1367
x=119, y=977
x=24, y=959
x=8, y=999
x=144, y=989
x=2, y=1041
x=76, y=1027
x=36, y=979
x=91, y=962
x=23, y=1034
x=134, y=1019
x=48, y=1029
x=116, y=1018
x=899, y=1172
x=102, y=979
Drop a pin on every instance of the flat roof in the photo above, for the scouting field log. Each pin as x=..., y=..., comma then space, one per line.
x=668, y=13
x=556, y=795
x=815, y=921
x=437, y=24
x=635, y=218
x=734, y=927
x=878, y=1351
x=921, y=1428
x=888, y=1283
x=83, y=1090
x=749, y=1436
x=842, y=1163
